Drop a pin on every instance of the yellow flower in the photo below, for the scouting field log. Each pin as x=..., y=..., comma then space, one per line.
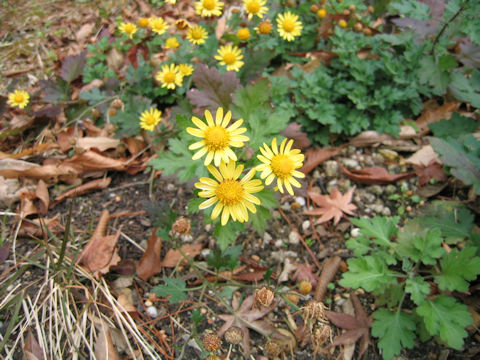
x=128, y=28
x=171, y=2
x=281, y=163
x=264, y=27
x=233, y=197
x=217, y=137
x=150, y=118
x=197, y=35
x=143, y=22
x=288, y=26
x=171, y=43
x=342, y=23
x=243, y=34
x=321, y=13
x=206, y=8
x=158, y=25
x=231, y=57
x=185, y=69
x=255, y=7
x=18, y=98
x=170, y=76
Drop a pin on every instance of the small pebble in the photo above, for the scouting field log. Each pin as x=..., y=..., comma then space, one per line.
x=279, y=243
x=390, y=189
x=306, y=225
x=386, y=211
x=148, y=303
x=267, y=238
x=152, y=311
x=379, y=209
x=255, y=258
x=300, y=200
x=294, y=238
x=331, y=168
x=170, y=187
x=351, y=163
x=355, y=232
x=376, y=189
x=208, y=227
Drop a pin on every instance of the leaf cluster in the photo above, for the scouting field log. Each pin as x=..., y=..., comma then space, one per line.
x=401, y=266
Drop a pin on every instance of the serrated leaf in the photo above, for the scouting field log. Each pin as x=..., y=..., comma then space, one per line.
x=227, y=234
x=417, y=288
x=466, y=89
x=213, y=89
x=226, y=259
x=359, y=245
x=379, y=229
x=424, y=246
x=93, y=96
x=446, y=317
x=259, y=219
x=395, y=331
x=268, y=198
x=410, y=8
x=456, y=268
x=464, y=163
x=193, y=204
x=174, y=289
x=73, y=66
x=369, y=273
x=456, y=126
x=54, y=91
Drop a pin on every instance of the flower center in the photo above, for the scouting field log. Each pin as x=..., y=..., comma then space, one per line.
x=19, y=98
x=265, y=27
x=150, y=119
x=216, y=138
x=169, y=77
x=253, y=7
x=229, y=58
x=229, y=192
x=209, y=4
x=129, y=29
x=197, y=34
x=282, y=166
x=288, y=25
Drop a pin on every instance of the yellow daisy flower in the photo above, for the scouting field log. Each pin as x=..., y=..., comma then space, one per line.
x=171, y=2
x=186, y=69
x=255, y=7
x=217, y=137
x=158, y=25
x=197, y=35
x=231, y=57
x=170, y=76
x=233, y=197
x=288, y=26
x=150, y=118
x=143, y=22
x=171, y=43
x=281, y=163
x=264, y=27
x=18, y=98
x=207, y=8
x=128, y=28
x=243, y=34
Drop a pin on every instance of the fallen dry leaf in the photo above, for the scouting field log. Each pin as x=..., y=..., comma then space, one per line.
x=36, y=228
x=172, y=257
x=329, y=270
x=37, y=149
x=333, y=206
x=431, y=171
x=151, y=263
x=32, y=349
x=305, y=272
x=300, y=139
x=100, y=253
x=103, y=347
x=373, y=138
x=10, y=191
x=44, y=198
x=101, y=143
x=424, y=156
x=315, y=157
x=84, y=188
x=374, y=175
x=35, y=202
x=433, y=113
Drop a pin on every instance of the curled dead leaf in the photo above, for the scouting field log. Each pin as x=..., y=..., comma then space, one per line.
x=84, y=188
x=172, y=257
x=151, y=264
x=315, y=157
x=375, y=175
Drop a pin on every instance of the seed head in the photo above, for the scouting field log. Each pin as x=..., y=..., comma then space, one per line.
x=234, y=335
x=181, y=225
x=264, y=297
x=314, y=310
x=304, y=287
x=212, y=342
x=117, y=104
x=314, y=8
x=272, y=349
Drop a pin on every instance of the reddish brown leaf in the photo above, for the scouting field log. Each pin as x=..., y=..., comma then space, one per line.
x=84, y=188
x=250, y=276
x=300, y=139
x=305, y=272
x=333, y=206
x=172, y=257
x=343, y=321
x=315, y=157
x=431, y=171
x=4, y=252
x=36, y=228
x=330, y=268
x=37, y=149
x=100, y=253
x=350, y=337
x=32, y=349
x=44, y=198
x=151, y=263
x=374, y=175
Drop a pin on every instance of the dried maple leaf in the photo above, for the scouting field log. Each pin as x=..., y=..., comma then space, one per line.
x=358, y=326
x=333, y=206
x=246, y=317
x=305, y=272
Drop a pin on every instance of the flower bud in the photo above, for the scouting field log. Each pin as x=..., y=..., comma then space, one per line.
x=212, y=342
x=181, y=225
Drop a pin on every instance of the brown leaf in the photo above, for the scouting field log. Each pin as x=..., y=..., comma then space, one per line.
x=36, y=228
x=134, y=145
x=84, y=188
x=305, y=272
x=44, y=198
x=46, y=172
x=84, y=32
x=431, y=171
x=330, y=268
x=32, y=350
x=151, y=263
x=172, y=257
x=374, y=175
x=373, y=138
x=115, y=59
x=424, y=156
x=433, y=113
x=300, y=139
x=315, y=157
x=104, y=349
x=92, y=160
x=37, y=149
x=333, y=206
x=101, y=143
x=100, y=253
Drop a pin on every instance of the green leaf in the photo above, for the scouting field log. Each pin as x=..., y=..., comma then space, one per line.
x=395, y=331
x=93, y=96
x=174, y=289
x=417, y=288
x=224, y=259
x=446, y=317
x=410, y=8
x=268, y=198
x=466, y=89
x=127, y=119
x=430, y=73
x=424, y=246
x=456, y=126
x=226, y=235
x=379, y=229
x=359, y=245
x=369, y=273
x=193, y=204
x=259, y=219
x=457, y=267
x=464, y=161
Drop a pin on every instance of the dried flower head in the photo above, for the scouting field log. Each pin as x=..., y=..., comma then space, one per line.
x=181, y=225
x=212, y=342
x=264, y=298
x=304, y=287
x=234, y=335
x=117, y=104
x=321, y=334
x=264, y=28
x=314, y=310
x=272, y=349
